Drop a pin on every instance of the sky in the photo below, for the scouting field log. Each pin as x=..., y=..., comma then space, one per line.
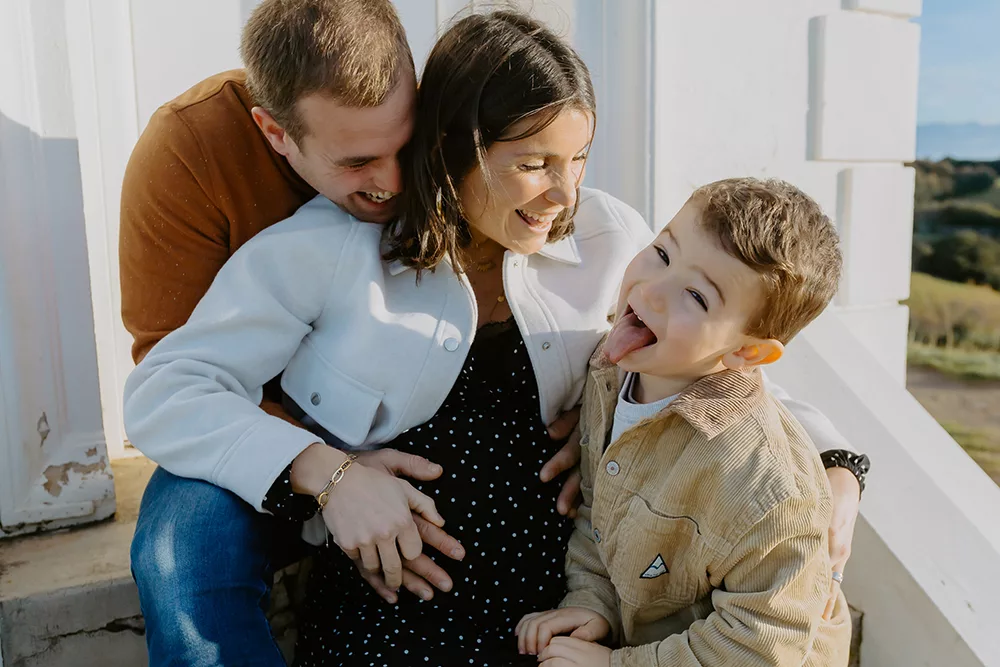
x=959, y=62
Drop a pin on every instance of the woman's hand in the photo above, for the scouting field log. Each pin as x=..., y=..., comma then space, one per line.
x=571, y=652
x=370, y=512
x=565, y=428
x=421, y=575
x=846, y=493
x=535, y=631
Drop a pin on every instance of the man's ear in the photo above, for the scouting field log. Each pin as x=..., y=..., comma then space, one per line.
x=274, y=133
x=755, y=352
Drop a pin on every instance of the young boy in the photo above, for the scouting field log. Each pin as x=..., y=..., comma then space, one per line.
x=702, y=538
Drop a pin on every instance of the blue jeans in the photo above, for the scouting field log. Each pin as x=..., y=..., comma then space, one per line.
x=203, y=561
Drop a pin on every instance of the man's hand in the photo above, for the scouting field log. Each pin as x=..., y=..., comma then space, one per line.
x=420, y=575
x=571, y=652
x=846, y=494
x=565, y=428
x=417, y=575
x=535, y=631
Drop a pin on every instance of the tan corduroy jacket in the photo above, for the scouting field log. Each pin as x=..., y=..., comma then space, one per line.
x=702, y=538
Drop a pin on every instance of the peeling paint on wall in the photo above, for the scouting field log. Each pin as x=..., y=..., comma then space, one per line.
x=56, y=477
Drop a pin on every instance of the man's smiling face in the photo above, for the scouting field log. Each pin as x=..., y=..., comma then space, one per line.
x=350, y=155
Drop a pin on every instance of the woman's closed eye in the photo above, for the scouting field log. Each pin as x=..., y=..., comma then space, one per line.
x=699, y=298
x=578, y=161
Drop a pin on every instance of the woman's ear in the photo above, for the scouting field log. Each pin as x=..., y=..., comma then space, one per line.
x=755, y=352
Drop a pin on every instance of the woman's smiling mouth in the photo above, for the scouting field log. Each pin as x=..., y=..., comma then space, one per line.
x=537, y=221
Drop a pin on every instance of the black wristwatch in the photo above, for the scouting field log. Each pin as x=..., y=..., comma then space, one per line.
x=859, y=464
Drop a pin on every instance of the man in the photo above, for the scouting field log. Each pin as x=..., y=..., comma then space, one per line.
x=324, y=107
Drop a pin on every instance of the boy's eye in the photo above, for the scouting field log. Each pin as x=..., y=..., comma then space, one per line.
x=663, y=255
x=700, y=299
x=532, y=166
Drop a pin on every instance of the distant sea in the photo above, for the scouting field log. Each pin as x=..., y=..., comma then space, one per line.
x=969, y=141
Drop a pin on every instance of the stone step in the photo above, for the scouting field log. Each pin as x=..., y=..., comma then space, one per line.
x=67, y=598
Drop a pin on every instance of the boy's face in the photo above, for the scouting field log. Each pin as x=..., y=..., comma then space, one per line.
x=684, y=305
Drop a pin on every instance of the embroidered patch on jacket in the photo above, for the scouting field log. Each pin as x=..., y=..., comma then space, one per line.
x=655, y=569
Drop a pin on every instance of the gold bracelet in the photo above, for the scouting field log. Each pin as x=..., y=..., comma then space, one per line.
x=324, y=496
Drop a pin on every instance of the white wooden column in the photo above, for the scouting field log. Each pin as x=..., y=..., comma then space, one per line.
x=54, y=468
x=863, y=121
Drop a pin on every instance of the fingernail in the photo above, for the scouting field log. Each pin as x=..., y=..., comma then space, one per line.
x=391, y=599
x=444, y=585
x=435, y=467
x=425, y=595
x=458, y=552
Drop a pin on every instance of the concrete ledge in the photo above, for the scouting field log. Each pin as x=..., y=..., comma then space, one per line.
x=67, y=598
x=928, y=538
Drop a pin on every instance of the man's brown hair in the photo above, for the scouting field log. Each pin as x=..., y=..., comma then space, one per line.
x=355, y=51
x=782, y=234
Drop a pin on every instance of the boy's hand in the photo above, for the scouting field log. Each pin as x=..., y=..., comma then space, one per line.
x=570, y=652
x=535, y=631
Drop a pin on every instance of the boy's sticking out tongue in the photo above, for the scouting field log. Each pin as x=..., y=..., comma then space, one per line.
x=628, y=335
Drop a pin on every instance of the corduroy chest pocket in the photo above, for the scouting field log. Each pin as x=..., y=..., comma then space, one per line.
x=658, y=561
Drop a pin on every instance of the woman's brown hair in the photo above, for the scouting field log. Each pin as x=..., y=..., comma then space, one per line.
x=486, y=73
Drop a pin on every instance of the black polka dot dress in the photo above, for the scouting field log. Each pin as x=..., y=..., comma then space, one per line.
x=490, y=439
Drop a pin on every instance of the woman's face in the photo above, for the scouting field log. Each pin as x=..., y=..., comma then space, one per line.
x=530, y=182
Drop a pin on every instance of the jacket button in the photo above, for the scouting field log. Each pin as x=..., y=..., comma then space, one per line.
x=613, y=468
x=546, y=345
x=451, y=344
x=315, y=399
x=597, y=536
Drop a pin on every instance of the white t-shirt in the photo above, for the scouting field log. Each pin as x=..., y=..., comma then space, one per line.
x=630, y=412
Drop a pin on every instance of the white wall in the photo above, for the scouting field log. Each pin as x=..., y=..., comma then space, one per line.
x=798, y=90
x=53, y=463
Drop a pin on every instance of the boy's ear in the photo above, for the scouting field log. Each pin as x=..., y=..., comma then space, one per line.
x=755, y=352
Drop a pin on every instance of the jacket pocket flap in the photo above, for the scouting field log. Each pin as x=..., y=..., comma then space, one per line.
x=340, y=404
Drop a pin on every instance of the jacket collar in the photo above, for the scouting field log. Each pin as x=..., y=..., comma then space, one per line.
x=710, y=405
x=717, y=401
x=564, y=250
